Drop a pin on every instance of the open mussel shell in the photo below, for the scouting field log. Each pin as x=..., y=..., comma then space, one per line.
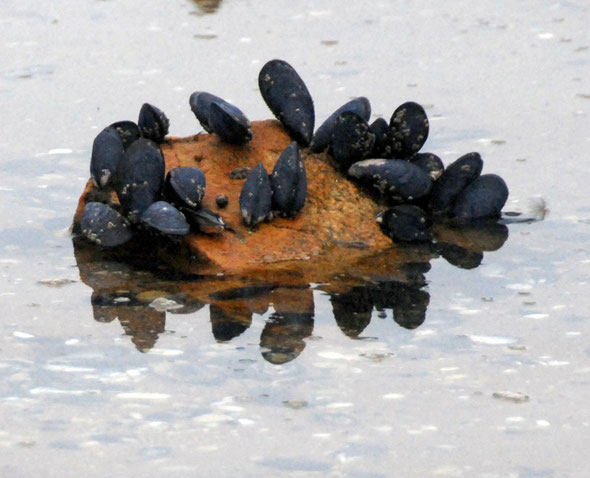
x=204, y=220
x=430, y=163
x=409, y=127
x=406, y=223
x=256, y=197
x=323, y=136
x=289, y=182
x=456, y=177
x=382, y=146
x=104, y=226
x=200, y=102
x=128, y=131
x=396, y=179
x=164, y=218
x=229, y=123
x=484, y=197
x=351, y=140
x=185, y=186
x=286, y=95
x=153, y=123
x=107, y=153
x=139, y=178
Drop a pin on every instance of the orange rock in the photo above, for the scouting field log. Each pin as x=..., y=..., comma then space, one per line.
x=335, y=229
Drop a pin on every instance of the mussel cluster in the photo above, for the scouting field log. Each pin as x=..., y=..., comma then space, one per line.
x=385, y=158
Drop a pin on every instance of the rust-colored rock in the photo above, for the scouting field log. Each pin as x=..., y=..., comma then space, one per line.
x=335, y=229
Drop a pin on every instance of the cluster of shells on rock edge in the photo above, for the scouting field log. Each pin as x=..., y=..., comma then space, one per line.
x=382, y=157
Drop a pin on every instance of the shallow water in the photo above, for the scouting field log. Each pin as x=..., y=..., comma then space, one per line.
x=493, y=382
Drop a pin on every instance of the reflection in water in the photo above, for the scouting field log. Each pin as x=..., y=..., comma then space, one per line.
x=126, y=288
x=207, y=6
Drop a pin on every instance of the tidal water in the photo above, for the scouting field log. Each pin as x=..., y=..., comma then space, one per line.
x=464, y=362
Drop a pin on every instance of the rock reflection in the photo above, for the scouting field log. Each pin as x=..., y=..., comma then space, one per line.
x=139, y=294
x=207, y=6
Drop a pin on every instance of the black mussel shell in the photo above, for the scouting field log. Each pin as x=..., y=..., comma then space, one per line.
x=153, y=123
x=139, y=178
x=484, y=197
x=430, y=163
x=166, y=219
x=204, y=220
x=221, y=201
x=286, y=95
x=255, y=197
x=185, y=186
x=406, y=223
x=104, y=226
x=229, y=123
x=396, y=179
x=323, y=136
x=289, y=182
x=128, y=131
x=200, y=102
x=107, y=153
x=409, y=127
x=456, y=177
x=351, y=140
x=382, y=145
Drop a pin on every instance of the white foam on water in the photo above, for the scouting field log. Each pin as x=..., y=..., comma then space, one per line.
x=491, y=339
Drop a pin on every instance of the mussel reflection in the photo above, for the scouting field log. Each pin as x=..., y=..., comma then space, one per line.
x=139, y=296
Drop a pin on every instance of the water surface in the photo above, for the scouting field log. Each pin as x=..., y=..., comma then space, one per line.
x=444, y=371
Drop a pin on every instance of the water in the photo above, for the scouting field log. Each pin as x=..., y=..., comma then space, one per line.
x=97, y=378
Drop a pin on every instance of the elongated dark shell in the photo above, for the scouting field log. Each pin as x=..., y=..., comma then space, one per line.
x=430, y=163
x=456, y=177
x=204, y=220
x=107, y=153
x=322, y=137
x=229, y=123
x=139, y=177
x=185, y=186
x=286, y=95
x=166, y=219
x=351, y=140
x=255, y=197
x=153, y=123
x=484, y=197
x=289, y=182
x=128, y=131
x=383, y=140
x=200, y=102
x=409, y=126
x=405, y=223
x=104, y=226
x=396, y=179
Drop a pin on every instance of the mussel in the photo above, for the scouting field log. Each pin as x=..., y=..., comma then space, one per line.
x=456, y=177
x=288, y=181
x=255, y=197
x=185, y=186
x=406, y=223
x=484, y=197
x=409, y=127
x=164, y=218
x=139, y=177
x=286, y=95
x=396, y=179
x=352, y=140
x=323, y=136
x=107, y=153
x=153, y=123
x=104, y=226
